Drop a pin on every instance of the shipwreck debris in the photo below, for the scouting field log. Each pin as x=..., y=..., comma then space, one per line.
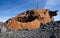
x=32, y=19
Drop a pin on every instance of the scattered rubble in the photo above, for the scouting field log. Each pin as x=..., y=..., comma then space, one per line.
x=49, y=30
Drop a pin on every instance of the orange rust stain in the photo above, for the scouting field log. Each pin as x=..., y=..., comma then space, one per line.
x=42, y=16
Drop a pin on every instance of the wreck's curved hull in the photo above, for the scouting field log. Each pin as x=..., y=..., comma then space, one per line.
x=28, y=25
x=31, y=20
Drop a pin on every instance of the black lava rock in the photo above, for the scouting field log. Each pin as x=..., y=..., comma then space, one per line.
x=49, y=30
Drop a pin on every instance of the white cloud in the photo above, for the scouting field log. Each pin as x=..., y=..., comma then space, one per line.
x=3, y=19
x=51, y=3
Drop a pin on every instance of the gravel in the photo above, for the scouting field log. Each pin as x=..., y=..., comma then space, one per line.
x=49, y=30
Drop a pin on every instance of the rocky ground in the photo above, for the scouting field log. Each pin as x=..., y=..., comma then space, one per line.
x=50, y=30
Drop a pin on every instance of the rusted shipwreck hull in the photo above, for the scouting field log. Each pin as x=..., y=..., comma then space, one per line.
x=32, y=19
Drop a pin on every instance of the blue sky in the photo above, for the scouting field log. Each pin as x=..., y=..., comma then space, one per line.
x=10, y=8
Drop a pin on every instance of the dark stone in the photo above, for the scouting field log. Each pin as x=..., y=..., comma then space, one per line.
x=50, y=30
x=52, y=36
